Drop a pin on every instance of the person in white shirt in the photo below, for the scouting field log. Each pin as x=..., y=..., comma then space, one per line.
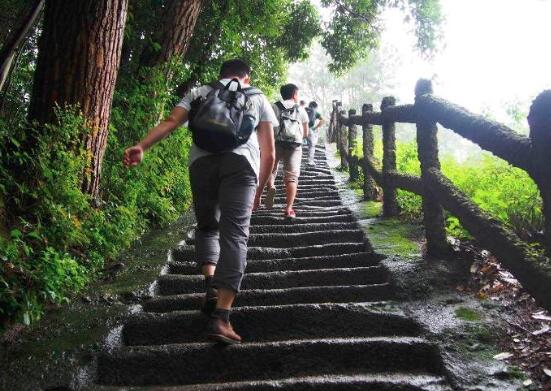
x=288, y=147
x=226, y=188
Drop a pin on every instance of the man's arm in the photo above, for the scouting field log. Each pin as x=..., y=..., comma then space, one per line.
x=265, y=134
x=305, y=129
x=134, y=155
x=321, y=121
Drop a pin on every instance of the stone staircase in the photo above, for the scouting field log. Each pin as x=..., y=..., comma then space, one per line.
x=311, y=313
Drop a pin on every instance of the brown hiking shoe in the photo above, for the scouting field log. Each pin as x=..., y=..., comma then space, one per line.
x=222, y=332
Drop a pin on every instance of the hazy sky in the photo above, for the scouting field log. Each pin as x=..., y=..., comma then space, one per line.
x=495, y=51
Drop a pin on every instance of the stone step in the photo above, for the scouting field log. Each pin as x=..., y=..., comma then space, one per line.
x=296, y=228
x=308, y=200
x=370, y=382
x=173, y=284
x=288, y=240
x=306, y=263
x=310, y=194
x=187, y=253
x=271, y=323
x=265, y=297
x=204, y=363
x=265, y=219
x=306, y=211
x=319, y=203
x=307, y=181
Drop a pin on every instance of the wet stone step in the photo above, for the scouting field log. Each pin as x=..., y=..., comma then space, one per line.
x=370, y=382
x=305, y=212
x=307, y=199
x=306, y=263
x=374, y=293
x=271, y=323
x=311, y=194
x=264, y=219
x=187, y=253
x=265, y=297
x=296, y=228
x=204, y=363
x=173, y=284
x=287, y=240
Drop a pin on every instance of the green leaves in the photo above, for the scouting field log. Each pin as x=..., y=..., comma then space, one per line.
x=354, y=28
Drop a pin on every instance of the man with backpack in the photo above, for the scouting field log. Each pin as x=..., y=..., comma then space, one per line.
x=227, y=176
x=315, y=121
x=292, y=129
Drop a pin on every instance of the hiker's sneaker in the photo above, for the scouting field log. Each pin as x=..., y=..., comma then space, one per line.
x=290, y=214
x=222, y=332
x=270, y=195
x=208, y=302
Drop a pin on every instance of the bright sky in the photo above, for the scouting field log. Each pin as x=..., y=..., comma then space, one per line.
x=495, y=51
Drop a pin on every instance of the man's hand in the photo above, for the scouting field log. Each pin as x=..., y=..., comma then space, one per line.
x=133, y=156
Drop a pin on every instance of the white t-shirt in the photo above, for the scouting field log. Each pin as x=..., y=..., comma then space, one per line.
x=250, y=150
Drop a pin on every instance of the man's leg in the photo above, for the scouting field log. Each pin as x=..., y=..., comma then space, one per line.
x=204, y=188
x=237, y=189
x=271, y=190
x=312, y=141
x=291, y=161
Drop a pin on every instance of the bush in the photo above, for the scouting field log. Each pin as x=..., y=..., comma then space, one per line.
x=505, y=192
x=57, y=241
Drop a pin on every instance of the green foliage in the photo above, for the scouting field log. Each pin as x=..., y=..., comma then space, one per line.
x=354, y=28
x=58, y=240
x=505, y=192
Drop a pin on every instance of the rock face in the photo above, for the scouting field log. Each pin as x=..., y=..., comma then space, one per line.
x=309, y=313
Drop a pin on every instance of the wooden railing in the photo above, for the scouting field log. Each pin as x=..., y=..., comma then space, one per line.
x=532, y=154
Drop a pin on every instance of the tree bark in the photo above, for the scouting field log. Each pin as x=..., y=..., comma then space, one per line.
x=174, y=32
x=14, y=39
x=78, y=61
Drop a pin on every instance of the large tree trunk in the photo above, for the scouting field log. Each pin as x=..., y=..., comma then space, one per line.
x=78, y=61
x=174, y=31
x=13, y=41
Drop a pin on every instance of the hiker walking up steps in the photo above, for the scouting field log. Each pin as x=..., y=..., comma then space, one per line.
x=230, y=163
x=292, y=129
x=315, y=121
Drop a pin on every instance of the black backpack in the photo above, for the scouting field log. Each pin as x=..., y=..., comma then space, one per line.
x=311, y=116
x=224, y=119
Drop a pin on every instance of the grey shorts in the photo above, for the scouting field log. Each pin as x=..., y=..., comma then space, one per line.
x=291, y=157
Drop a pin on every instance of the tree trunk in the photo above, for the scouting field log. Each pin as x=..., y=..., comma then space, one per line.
x=78, y=61
x=174, y=32
x=13, y=41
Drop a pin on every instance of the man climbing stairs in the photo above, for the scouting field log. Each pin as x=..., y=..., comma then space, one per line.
x=309, y=313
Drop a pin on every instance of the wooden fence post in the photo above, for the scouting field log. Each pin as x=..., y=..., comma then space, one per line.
x=539, y=120
x=390, y=203
x=370, y=190
x=343, y=137
x=427, y=148
x=352, y=158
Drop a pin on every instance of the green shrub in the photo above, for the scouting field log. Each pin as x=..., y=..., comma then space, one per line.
x=58, y=241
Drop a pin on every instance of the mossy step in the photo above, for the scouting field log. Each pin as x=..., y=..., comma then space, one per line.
x=187, y=253
x=306, y=263
x=296, y=228
x=205, y=363
x=260, y=297
x=173, y=284
x=301, y=239
x=271, y=323
x=338, y=382
x=265, y=219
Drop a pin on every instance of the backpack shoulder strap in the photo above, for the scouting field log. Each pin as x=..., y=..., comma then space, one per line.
x=217, y=85
x=250, y=91
x=280, y=106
